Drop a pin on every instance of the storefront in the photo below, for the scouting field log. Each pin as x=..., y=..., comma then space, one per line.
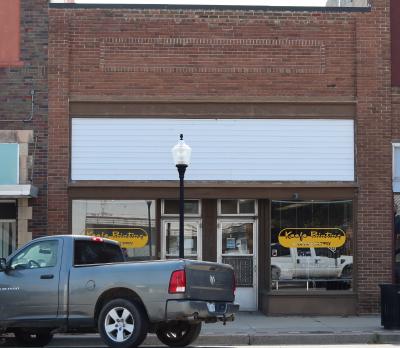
x=249, y=183
x=15, y=190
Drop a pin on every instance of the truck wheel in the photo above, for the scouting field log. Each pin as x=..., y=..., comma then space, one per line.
x=28, y=338
x=178, y=333
x=122, y=324
x=347, y=272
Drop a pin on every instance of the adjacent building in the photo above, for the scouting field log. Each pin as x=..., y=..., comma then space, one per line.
x=23, y=122
x=395, y=30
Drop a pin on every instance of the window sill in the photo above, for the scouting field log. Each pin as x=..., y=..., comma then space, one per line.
x=304, y=293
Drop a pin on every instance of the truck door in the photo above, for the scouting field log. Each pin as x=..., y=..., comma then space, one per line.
x=29, y=290
x=305, y=264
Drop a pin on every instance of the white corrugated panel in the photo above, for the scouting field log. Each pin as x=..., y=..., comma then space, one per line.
x=222, y=149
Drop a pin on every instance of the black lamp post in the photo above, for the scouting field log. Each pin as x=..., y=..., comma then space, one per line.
x=148, y=214
x=181, y=154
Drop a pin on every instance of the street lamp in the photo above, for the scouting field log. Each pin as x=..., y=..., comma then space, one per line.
x=149, y=220
x=181, y=154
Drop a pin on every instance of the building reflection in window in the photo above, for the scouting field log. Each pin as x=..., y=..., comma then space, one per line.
x=126, y=221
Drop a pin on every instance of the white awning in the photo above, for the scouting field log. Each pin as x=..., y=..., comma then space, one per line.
x=18, y=191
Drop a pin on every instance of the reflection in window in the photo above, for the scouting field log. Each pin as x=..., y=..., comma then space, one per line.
x=191, y=207
x=307, y=260
x=237, y=238
x=237, y=207
x=397, y=236
x=38, y=255
x=191, y=230
x=8, y=237
x=130, y=222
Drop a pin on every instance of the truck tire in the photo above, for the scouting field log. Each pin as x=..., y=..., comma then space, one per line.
x=29, y=338
x=123, y=324
x=178, y=333
x=347, y=272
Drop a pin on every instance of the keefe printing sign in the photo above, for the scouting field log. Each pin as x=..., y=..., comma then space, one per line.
x=312, y=237
x=129, y=238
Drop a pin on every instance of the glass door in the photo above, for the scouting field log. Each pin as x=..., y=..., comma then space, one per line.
x=8, y=237
x=237, y=246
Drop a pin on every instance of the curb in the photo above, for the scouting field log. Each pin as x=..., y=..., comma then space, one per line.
x=281, y=338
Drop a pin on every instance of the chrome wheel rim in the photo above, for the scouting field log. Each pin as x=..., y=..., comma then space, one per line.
x=119, y=324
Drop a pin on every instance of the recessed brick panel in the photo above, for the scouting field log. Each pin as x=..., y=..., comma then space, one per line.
x=205, y=55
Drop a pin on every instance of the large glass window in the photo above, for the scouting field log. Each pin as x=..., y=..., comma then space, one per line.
x=130, y=222
x=170, y=229
x=191, y=240
x=311, y=245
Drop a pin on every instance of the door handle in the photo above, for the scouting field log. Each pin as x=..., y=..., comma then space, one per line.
x=47, y=276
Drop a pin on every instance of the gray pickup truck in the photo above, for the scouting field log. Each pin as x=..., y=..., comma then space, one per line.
x=82, y=284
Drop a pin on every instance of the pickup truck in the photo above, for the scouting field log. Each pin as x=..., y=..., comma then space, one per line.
x=83, y=284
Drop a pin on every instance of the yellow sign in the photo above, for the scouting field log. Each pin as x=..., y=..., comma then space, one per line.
x=312, y=237
x=129, y=238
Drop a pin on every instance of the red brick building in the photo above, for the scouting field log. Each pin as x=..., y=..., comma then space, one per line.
x=23, y=122
x=290, y=118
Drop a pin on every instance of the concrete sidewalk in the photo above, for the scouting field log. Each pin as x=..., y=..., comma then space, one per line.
x=256, y=329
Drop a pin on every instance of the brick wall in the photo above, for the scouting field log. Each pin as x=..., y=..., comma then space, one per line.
x=16, y=84
x=105, y=53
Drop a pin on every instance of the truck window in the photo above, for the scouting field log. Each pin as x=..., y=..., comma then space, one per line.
x=89, y=252
x=38, y=255
x=304, y=252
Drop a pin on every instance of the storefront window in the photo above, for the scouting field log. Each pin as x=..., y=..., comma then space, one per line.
x=191, y=207
x=8, y=228
x=397, y=235
x=132, y=223
x=237, y=207
x=311, y=245
x=191, y=230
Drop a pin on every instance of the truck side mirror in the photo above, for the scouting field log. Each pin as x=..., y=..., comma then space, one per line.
x=3, y=264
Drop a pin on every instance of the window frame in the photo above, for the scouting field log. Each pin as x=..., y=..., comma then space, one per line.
x=199, y=255
x=238, y=214
x=176, y=215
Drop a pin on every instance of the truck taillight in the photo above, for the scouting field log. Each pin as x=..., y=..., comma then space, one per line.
x=177, y=283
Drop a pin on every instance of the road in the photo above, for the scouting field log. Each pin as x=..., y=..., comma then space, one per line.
x=77, y=344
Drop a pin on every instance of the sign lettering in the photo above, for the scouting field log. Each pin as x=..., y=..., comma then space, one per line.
x=129, y=238
x=312, y=238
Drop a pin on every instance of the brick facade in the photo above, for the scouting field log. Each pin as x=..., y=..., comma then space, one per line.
x=16, y=85
x=109, y=53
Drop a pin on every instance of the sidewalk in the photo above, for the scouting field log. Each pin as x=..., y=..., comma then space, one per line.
x=257, y=329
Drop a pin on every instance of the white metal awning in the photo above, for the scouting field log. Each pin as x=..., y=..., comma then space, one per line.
x=18, y=191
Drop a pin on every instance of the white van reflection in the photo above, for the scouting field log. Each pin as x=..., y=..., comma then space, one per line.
x=309, y=263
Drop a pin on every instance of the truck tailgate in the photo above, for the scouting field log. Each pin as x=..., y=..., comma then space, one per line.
x=209, y=281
